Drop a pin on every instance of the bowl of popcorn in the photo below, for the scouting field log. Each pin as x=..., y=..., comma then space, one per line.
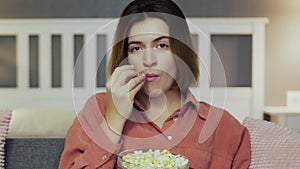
x=151, y=159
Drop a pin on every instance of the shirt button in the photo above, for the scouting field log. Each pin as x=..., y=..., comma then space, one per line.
x=104, y=157
x=169, y=137
x=174, y=118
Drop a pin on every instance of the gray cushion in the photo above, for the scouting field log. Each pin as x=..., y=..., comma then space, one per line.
x=33, y=153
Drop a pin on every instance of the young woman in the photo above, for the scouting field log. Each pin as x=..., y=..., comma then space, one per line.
x=148, y=103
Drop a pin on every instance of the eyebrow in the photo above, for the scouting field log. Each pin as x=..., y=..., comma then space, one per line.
x=155, y=40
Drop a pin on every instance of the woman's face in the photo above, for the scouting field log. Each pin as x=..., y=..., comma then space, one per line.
x=149, y=51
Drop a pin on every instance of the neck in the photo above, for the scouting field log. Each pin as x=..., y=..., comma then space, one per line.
x=159, y=106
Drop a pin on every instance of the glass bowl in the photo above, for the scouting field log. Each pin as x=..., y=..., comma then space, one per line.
x=151, y=159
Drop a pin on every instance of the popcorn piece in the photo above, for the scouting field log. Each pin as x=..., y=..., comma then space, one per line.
x=153, y=160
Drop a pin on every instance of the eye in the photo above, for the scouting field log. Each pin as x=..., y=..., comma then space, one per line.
x=162, y=46
x=134, y=49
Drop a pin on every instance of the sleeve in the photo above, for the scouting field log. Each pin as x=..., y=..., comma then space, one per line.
x=242, y=157
x=86, y=145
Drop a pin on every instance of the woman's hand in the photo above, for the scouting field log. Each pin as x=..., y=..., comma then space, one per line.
x=121, y=89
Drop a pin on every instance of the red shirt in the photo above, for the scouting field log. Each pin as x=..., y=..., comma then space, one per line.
x=210, y=137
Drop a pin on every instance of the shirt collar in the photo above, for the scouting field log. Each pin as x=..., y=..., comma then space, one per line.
x=189, y=100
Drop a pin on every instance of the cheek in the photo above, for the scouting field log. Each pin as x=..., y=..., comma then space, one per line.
x=130, y=60
x=168, y=65
x=134, y=61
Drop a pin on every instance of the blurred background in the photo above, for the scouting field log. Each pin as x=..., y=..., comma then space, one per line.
x=282, y=62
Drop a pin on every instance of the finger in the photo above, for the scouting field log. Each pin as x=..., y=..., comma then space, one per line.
x=123, y=68
x=135, y=82
x=123, y=74
x=134, y=91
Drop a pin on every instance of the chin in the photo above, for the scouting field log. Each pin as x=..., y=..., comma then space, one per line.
x=153, y=92
x=156, y=93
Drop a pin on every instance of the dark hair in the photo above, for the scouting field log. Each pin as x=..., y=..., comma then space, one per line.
x=180, y=37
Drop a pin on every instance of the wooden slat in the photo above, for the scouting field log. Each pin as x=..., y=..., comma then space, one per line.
x=205, y=64
x=45, y=61
x=258, y=62
x=90, y=61
x=67, y=60
x=109, y=45
x=22, y=61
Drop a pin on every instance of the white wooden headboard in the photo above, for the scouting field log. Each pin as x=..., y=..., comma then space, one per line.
x=241, y=101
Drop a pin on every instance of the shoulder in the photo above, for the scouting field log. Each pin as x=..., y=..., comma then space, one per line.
x=225, y=121
x=228, y=134
x=98, y=98
x=95, y=104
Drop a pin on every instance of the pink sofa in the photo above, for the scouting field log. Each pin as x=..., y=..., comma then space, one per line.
x=273, y=146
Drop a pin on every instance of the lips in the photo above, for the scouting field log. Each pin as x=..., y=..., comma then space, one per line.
x=151, y=77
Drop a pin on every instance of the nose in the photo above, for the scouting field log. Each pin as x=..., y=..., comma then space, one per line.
x=149, y=58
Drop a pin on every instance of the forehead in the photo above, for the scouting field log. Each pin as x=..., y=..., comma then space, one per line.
x=150, y=26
